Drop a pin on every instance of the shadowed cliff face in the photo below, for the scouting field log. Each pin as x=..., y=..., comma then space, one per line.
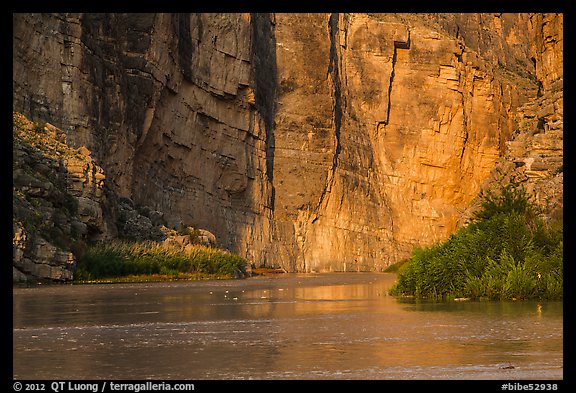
x=265, y=81
x=311, y=141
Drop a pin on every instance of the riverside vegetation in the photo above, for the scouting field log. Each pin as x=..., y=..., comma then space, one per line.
x=506, y=252
x=125, y=260
x=58, y=194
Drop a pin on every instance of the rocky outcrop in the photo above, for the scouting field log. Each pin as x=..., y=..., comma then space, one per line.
x=534, y=155
x=313, y=142
x=189, y=237
x=58, y=202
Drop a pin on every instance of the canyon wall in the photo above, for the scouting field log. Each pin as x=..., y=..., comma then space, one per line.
x=315, y=142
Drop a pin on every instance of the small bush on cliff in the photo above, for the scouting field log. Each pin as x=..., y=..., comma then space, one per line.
x=507, y=252
x=117, y=258
x=511, y=199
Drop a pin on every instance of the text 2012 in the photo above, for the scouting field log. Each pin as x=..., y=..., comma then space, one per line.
x=29, y=387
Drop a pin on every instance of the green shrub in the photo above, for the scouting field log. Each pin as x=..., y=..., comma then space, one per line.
x=512, y=198
x=507, y=252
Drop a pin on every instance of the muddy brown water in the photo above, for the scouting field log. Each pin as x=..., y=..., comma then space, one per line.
x=288, y=326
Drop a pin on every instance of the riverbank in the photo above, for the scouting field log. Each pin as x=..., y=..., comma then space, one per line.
x=154, y=278
x=157, y=278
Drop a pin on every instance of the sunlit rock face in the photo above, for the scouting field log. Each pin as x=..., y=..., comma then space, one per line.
x=317, y=142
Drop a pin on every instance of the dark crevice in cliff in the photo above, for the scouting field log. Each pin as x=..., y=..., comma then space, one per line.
x=181, y=28
x=397, y=45
x=265, y=79
x=465, y=127
x=333, y=71
x=334, y=74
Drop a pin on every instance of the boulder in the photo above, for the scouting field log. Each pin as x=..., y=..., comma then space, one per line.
x=207, y=238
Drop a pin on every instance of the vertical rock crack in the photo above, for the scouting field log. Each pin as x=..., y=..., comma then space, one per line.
x=265, y=77
x=401, y=45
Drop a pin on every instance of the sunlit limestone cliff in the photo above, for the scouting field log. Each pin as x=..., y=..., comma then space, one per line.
x=314, y=142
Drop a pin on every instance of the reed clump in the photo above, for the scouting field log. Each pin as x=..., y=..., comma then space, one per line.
x=506, y=252
x=115, y=259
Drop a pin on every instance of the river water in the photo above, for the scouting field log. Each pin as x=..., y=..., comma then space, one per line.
x=288, y=326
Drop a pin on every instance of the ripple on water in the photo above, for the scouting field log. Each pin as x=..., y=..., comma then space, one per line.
x=293, y=328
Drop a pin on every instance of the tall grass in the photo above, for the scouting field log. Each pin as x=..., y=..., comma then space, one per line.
x=120, y=258
x=507, y=252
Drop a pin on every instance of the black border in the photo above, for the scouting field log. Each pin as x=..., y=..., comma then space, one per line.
x=566, y=7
